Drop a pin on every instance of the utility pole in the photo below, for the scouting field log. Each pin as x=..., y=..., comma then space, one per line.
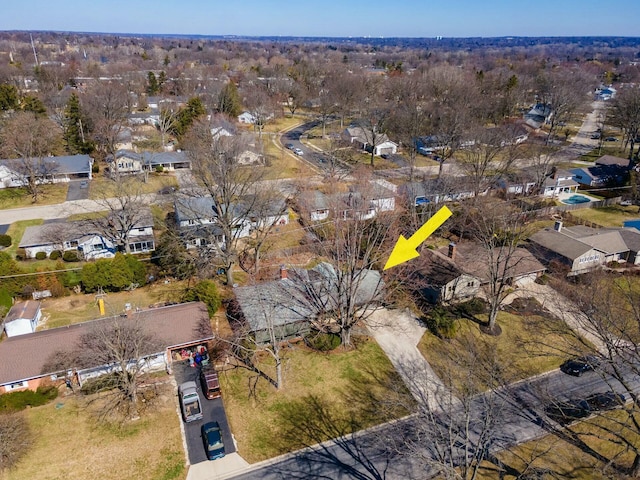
x=35, y=55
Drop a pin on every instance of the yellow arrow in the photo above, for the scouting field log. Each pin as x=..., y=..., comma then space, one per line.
x=406, y=249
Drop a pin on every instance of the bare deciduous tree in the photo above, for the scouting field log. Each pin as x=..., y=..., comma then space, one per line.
x=29, y=140
x=231, y=186
x=15, y=439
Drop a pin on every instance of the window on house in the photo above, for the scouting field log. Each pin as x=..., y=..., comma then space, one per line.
x=13, y=386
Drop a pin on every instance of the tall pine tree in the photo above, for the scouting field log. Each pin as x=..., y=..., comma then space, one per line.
x=229, y=100
x=76, y=128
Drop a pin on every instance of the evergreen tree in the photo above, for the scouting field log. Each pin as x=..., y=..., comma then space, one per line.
x=76, y=128
x=8, y=97
x=187, y=115
x=152, y=84
x=229, y=100
x=30, y=103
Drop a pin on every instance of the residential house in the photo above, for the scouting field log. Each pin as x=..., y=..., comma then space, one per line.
x=438, y=190
x=518, y=266
x=583, y=249
x=359, y=137
x=361, y=202
x=170, y=161
x=15, y=172
x=440, y=281
x=538, y=115
x=197, y=219
x=561, y=181
x=518, y=183
x=246, y=117
x=26, y=360
x=125, y=162
x=291, y=305
x=84, y=238
x=605, y=93
x=607, y=170
x=23, y=318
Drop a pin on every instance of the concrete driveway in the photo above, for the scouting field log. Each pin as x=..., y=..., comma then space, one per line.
x=398, y=333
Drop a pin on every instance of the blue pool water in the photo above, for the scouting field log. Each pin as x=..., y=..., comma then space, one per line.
x=574, y=199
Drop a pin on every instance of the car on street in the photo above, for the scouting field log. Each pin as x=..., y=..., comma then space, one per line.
x=595, y=136
x=212, y=440
x=567, y=412
x=298, y=151
x=290, y=146
x=611, y=139
x=578, y=366
x=84, y=184
x=605, y=400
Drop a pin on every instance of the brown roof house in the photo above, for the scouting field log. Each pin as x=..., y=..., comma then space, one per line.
x=23, y=318
x=520, y=267
x=27, y=360
x=440, y=281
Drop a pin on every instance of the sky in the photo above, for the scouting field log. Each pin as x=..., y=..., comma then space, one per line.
x=329, y=18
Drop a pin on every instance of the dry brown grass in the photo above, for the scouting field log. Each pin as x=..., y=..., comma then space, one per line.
x=71, y=445
x=58, y=312
x=257, y=411
x=19, y=197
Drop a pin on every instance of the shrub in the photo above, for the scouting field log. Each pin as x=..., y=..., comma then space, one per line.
x=205, y=291
x=70, y=256
x=55, y=255
x=159, y=168
x=41, y=255
x=15, y=439
x=441, y=323
x=321, y=341
x=95, y=168
x=5, y=240
x=471, y=308
x=15, y=401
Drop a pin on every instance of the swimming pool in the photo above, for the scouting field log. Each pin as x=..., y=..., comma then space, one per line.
x=575, y=199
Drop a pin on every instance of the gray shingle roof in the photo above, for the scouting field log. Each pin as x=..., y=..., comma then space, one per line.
x=561, y=244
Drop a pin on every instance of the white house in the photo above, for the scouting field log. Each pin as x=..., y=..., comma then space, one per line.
x=246, y=117
x=15, y=172
x=22, y=318
x=358, y=136
x=561, y=182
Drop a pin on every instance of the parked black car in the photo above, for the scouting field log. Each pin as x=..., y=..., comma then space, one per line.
x=578, y=366
x=212, y=440
x=605, y=400
x=567, y=412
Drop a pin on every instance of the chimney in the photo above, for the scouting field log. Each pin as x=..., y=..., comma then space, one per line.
x=452, y=251
x=558, y=226
x=283, y=272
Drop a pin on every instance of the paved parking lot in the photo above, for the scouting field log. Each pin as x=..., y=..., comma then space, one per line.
x=212, y=410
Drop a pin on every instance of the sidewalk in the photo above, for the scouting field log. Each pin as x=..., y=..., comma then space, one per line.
x=398, y=333
x=225, y=467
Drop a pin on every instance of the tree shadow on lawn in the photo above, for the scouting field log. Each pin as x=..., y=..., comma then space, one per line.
x=337, y=437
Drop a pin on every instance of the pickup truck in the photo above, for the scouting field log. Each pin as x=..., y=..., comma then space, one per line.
x=190, y=401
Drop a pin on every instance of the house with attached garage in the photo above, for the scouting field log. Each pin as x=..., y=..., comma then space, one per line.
x=131, y=162
x=27, y=361
x=381, y=145
x=583, y=249
x=16, y=172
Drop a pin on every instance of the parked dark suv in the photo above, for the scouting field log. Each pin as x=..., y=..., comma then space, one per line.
x=578, y=366
x=567, y=412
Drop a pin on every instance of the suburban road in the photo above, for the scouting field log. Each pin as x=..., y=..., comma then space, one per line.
x=371, y=454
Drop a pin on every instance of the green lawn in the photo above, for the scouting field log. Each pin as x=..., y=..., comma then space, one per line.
x=611, y=216
x=16, y=231
x=351, y=385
